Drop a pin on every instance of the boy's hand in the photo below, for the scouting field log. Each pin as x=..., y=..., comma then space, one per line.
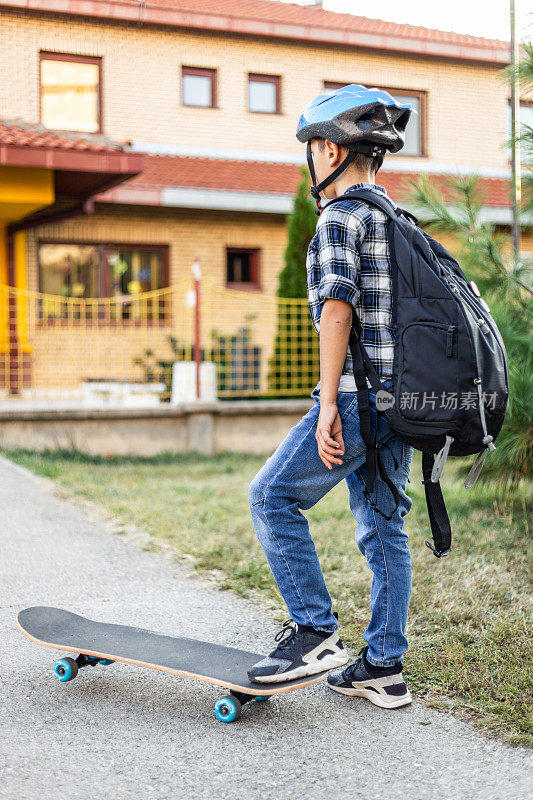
x=329, y=435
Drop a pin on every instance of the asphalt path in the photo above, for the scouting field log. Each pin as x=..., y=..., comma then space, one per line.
x=123, y=731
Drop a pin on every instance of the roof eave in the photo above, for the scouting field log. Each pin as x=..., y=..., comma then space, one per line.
x=244, y=201
x=128, y=164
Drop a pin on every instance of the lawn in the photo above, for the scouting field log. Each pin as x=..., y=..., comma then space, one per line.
x=470, y=613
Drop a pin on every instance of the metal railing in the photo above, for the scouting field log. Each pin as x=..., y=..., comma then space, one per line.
x=54, y=347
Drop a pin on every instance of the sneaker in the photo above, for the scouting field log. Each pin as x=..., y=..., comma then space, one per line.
x=303, y=652
x=383, y=686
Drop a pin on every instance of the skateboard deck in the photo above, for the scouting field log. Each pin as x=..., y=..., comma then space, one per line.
x=104, y=643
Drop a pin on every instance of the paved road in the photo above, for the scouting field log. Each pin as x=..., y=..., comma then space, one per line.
x=123, y=731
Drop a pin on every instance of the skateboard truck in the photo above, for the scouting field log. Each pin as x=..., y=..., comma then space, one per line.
x=228, y=708
x=66, y=669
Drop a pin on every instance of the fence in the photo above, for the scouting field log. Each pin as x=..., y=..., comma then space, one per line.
x=261, y=345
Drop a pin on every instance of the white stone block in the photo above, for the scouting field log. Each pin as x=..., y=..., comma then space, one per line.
x=184, y=382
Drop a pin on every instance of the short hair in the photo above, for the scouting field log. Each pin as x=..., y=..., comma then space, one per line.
x=361, y=161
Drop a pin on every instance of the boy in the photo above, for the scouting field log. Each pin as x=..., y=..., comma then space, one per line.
x=348, y=266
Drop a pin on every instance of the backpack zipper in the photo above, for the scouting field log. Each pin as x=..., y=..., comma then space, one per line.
x=482, y=323
x=472, y=308
x=487, y=438
x=416, y=270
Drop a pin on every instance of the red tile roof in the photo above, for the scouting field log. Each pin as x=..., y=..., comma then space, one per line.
x=215, y=173
x=83, y=164
x=275, y=11
x=279, y=20
x=19, y=133
x=254, y=176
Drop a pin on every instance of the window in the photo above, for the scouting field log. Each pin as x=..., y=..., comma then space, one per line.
x=198, y=87
x=86, y=271
x=264, y=93
x=69, y=270
x=415, y=127
x=333, y=85
x=526, y=119
x=132, y=271
x=242, y=270
x=415, y=131
x=71, y=92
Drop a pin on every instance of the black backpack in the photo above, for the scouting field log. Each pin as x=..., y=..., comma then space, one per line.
x=450, y=374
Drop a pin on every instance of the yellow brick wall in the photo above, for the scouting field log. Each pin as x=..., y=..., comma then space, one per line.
x=189, y=233
x=65, y=354
x=467, y=102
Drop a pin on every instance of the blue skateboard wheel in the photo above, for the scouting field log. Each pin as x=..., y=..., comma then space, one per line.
x=65, y=669
x=105, y=662
x=262, y=698
x=228, y=709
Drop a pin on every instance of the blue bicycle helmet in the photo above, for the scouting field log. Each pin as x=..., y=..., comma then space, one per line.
x=368, y=121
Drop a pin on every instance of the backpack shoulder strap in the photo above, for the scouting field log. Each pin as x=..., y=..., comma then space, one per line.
x=371, y=197
x=375, y=199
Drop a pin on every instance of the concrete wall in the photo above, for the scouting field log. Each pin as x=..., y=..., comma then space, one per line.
x=207, y=428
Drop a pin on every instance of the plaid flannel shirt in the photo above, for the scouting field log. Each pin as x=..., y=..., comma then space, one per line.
x=348, y=259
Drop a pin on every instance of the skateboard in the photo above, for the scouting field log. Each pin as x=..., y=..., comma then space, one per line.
x=102, y=643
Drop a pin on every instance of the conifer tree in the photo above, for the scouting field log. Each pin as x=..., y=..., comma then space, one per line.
x=301, y=225
x=295, y=366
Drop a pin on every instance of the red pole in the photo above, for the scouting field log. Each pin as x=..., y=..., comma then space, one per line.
x=197, y=274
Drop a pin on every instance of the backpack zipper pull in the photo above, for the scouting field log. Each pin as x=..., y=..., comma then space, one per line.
x=440, y=460
x=487, y=438
x=449, y=341
x=477, y=466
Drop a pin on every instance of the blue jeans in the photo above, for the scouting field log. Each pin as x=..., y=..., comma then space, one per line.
x=294, y=477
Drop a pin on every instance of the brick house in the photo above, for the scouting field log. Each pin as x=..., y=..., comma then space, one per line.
x=188, y=111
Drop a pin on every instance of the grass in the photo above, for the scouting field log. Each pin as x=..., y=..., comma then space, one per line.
x=470, y=613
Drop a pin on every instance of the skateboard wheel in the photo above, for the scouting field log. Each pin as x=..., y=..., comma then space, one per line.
x=65, y=669
x=262, y=698
x=228, y=709
x=105, y=662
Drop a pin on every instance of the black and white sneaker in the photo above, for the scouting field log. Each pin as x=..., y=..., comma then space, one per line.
x=383, y=686
x=303, y=652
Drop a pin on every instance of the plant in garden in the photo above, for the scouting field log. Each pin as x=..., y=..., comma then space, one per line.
x=237, y=360
x=160, y=371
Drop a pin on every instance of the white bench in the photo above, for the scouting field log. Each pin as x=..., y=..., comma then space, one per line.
x=125, y=394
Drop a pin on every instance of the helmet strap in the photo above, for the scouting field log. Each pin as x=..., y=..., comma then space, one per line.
x=370, y=150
